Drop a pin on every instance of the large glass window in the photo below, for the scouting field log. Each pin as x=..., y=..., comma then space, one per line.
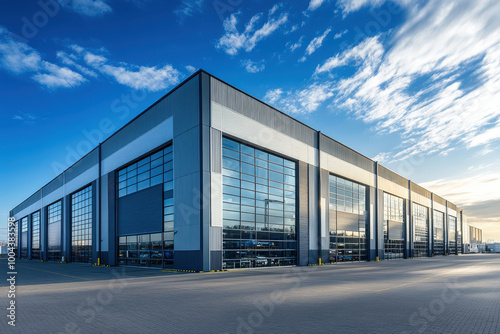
x=24, y=238
x=81, y=226
x=157, y=249
x=421, y=231
x=452, y=234
x=394, y=227
x=259, y=208
x=54, y=218
x=347, y=220
x=35, y=235
x=438, y=247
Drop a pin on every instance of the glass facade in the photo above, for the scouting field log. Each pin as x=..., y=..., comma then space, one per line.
x=421, y=230
x=81, y=226
x=152, y=249
x=394, y=227
x=148, y=172
x=348, y=220
x=438, y=247
x=259, y=208
x=35, y=236
x=452, y=235
x=54, y=218
x=24, y=238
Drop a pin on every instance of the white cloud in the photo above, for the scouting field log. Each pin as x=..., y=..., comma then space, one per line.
x=272, y=96
x=252, y=66
x=296, y=45
x=87, y=7
x=190, y=69
x=188, y=8
x=437, y=84
x=70, y=60
x=381, y=157
x=314, y=4
x=56, y=76
x=350, y=6
x=138, y=77
x=315, y=44
x=19, y=58
x=340, y=34
x=233, y=41
x=302, y=101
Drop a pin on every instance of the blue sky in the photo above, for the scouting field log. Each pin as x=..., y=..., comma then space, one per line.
x=412, y=84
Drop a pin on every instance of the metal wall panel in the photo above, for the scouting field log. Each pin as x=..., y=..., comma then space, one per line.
x=82, y=165
x=440, y=200
x=246, y=105
x=303, y=228
x=347, y=170
x=141, y=212
x=392, y=176
x=248, y=130
x=420, y=190
x=313, y=214
x=345, y=153
x=216, y=150
x=215, y=238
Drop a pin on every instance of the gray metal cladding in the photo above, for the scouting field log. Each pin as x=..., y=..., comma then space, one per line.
x=184, y=97
x=216, y=150
x=82, y=165
x=215, y=238
x=141, y=212
x=420, y=190
x=246, y=105
x=333, y=147
x=439, y=199
x=26, y=203
x=452, y=206
x=53, y=185
x=392, y=176
x=303, y=191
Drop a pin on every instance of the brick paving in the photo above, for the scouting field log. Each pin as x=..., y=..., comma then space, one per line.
x=453, y=294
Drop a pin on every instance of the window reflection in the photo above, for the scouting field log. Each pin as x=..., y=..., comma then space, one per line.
x=81, y=226
x=259, y=209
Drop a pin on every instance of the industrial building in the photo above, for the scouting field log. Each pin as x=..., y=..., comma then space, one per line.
x=211, y=178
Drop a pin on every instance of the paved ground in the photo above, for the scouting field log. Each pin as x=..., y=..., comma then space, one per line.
x=454, y=294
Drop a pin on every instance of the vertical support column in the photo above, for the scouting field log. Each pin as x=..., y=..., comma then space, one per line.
x=431, y=227
x=112, y=221
x=303, y=217
x=411, y=226
x=205, y=178
x=66, y=228
x=446, y=231
x=43, y=234
x=372, y=221
x=95, y=224
x=30, y=235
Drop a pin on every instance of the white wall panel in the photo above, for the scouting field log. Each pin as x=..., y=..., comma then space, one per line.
x=346, y=169
x=216, y=199
x=155, y=137
x=419, y=199
x=439, y=207
x=392, y=188
x=235, y=124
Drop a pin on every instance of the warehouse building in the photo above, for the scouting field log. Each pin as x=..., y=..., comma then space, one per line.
x=209, y=178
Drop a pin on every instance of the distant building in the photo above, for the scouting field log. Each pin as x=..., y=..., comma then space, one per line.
x=3, y=250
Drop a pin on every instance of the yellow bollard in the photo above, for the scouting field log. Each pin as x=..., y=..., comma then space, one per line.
x=377, y=259
x=98, y=261
x=320, y=261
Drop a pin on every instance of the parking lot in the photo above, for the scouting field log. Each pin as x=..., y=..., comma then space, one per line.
x=453, y=294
